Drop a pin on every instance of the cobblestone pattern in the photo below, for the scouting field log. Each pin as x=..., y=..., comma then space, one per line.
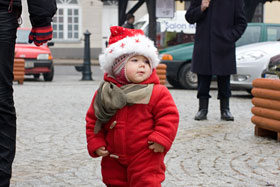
x=51, y=142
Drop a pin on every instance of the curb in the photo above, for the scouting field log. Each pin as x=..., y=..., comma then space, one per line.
x=73, y=62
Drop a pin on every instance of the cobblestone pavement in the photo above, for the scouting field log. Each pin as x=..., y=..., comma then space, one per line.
x=51, y=143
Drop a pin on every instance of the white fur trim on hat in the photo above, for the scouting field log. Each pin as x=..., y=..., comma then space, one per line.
x=138, y=44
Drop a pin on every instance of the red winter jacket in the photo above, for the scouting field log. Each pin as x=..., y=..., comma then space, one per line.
x=132, y=127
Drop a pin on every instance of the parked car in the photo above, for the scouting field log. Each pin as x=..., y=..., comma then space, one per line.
x=253, y=62
x=38, y=60
x=274, y=66
x=178, y=58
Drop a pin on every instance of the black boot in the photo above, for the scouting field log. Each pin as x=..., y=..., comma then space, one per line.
x=225, y=113
x=203, y=110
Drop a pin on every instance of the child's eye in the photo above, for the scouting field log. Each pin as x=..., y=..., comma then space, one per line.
x=147, y=62
x=134, y=60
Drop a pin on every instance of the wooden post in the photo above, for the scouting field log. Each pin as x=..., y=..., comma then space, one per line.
x=122, y=9
x=161, y=72
x=151, y=6
x=265, y=133
x=18, y=70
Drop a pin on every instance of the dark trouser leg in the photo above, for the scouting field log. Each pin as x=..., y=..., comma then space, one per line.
x=204, y=82
x=224, y=87
x=8, y=26
x=203, y=86
x=224, y=94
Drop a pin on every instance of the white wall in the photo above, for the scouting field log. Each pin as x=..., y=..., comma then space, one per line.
x=25, y=16
x=140, y=12
x=92, y=20
x=109, y=18
x=272, y=12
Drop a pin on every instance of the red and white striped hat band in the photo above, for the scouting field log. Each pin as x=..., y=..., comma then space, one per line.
x=118, y=68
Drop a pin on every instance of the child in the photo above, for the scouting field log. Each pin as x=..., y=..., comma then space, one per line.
x=132, y=120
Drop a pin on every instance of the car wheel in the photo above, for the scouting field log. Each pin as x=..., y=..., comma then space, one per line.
x=173, y=83
x=49, y=76
x=187, y=78
x=36, y=76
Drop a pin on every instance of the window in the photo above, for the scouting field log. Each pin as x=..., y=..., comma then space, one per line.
x=66, y=22
x=146, y=29
x=251, y=35
x=110, y=2
x=273, y=33
x=22, y=36
x=139, y=24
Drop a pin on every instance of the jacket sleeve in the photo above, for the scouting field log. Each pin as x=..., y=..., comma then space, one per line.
x=94, y=141
x=240, y=21
x=166, y=118
x=41, y=12
x=194, y=13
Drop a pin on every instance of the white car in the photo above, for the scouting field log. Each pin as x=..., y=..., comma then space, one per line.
x=252, y=62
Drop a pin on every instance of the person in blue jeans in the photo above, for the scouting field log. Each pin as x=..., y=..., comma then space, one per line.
x=41, y=13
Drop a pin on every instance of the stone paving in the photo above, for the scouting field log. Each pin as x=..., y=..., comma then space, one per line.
x=51, y=142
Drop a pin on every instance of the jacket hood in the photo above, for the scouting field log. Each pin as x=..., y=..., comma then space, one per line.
x=153, y=79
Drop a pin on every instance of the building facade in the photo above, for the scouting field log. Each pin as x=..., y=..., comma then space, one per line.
x=74, y=17
x=272, y=12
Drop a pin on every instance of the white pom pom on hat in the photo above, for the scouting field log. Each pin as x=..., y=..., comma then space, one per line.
x=127, y=41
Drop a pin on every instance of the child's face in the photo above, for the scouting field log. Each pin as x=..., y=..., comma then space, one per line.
x=138, y=69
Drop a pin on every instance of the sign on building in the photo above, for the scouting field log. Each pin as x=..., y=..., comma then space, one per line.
x=165, y=8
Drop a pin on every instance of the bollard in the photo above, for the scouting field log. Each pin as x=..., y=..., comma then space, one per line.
x=87, y=62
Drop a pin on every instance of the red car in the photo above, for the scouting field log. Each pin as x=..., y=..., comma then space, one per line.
x=38, y=60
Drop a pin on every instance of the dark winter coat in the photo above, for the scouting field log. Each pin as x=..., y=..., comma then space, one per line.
x=217, y=30
x=41, y=11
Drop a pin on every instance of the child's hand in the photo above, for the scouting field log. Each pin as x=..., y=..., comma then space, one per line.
x=157, y=148
x=102, y=152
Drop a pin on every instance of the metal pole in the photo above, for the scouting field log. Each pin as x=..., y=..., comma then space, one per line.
x=87, y=63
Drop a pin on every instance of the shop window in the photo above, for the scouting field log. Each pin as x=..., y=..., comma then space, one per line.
x=66, y=22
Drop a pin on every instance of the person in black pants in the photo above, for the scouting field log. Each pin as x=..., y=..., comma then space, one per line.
x=219, y=24
x=41, y=12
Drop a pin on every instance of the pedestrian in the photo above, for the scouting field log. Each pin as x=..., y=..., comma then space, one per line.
x=41, y=12
x=219, y=24
x=132, y=120
x=129, y=21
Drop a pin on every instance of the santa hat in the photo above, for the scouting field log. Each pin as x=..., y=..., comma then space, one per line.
x=127, y=41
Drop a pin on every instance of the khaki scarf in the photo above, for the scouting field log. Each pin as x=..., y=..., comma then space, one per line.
x=111, y=98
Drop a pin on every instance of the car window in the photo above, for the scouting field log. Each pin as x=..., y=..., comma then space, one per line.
x=139, y=25
x=146, y=29
x=22, y=36
x=158, y=27
x=273, y=33
x=252, y=34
